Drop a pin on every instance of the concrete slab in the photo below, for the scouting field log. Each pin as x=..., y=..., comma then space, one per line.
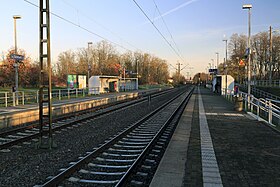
x=246, y=150
x=171, y=169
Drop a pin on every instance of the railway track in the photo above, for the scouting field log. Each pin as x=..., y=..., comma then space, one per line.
x=125, y=159
x=26, y=133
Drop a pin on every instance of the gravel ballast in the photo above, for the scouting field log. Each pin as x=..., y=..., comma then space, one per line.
x=26, y=166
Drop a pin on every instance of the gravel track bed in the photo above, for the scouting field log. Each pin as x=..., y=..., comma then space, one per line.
x=6, y=129
x=27, y=166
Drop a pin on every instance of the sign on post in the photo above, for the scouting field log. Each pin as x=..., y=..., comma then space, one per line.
x=17, y=57
x=213, y=71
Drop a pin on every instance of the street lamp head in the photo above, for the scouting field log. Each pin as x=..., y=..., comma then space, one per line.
x=17, y=17
x=276, y=31
x=247, y=6
x=224, y=40
x=89, y=43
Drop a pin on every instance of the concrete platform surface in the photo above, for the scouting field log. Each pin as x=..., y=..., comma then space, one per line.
x=214, y=145
x=171, y=168
x=15, y=115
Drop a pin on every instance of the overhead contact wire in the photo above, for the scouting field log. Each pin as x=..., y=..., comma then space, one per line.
x=171, y=36
x=81, y=27
x=157, y=29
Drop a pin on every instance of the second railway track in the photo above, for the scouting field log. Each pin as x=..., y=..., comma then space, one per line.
x=26, y=133
x=121, y=161
x=24, y=165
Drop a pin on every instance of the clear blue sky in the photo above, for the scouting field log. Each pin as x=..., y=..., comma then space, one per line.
x=197, y=26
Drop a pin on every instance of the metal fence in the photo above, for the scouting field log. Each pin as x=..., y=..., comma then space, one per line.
x=265, y=83
x=259, y=93
x=28, y=97
x=263, y=108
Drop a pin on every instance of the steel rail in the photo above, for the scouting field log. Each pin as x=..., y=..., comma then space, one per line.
x=128, y=174
x=67, y=124
x=73, y=168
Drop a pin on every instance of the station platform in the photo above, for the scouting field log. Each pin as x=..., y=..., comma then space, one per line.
x=15, y=115
x=20, y=107
x=214, y=145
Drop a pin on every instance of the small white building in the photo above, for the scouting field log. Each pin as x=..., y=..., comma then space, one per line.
x=220, y=80
x=103, y=84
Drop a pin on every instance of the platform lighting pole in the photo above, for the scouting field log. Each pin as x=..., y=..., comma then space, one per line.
x=217, y=61
x=137, y=68
x=270, y=56
x=16, y=62
x=137, y=81
x=225, y=40
x=124, y=77
x=206, y=73
x=89, y=67
x=249, y=6
x=209, y=71
x=213, y=67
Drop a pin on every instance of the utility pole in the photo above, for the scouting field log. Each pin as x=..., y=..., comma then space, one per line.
x=179, y=68
x=45, y=117
x=270, y=56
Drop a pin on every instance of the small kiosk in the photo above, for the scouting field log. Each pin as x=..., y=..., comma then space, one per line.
x=103, y=84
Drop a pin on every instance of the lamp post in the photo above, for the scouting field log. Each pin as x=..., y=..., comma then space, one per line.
x=16, y=62
x=217, y=61
x=137, y=70
x=270, y=55
x=89, y=43
x=212, y=60
x=206, y=72
x=249, y=6
x=225, y=40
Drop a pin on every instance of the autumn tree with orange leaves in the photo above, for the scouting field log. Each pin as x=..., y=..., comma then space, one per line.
x=28, y=72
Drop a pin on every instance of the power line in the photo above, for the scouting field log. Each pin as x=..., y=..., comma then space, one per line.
x=157, y=30
x=99, y=24
x=79, y=26
x=171, y=36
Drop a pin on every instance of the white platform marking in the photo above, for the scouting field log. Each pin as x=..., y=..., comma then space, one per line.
x=210, y=170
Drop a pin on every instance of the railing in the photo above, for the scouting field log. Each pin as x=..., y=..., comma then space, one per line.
x=9, y=98
x=266, y=109
x=260, y=93
x=28, y=97
x=265, y=83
